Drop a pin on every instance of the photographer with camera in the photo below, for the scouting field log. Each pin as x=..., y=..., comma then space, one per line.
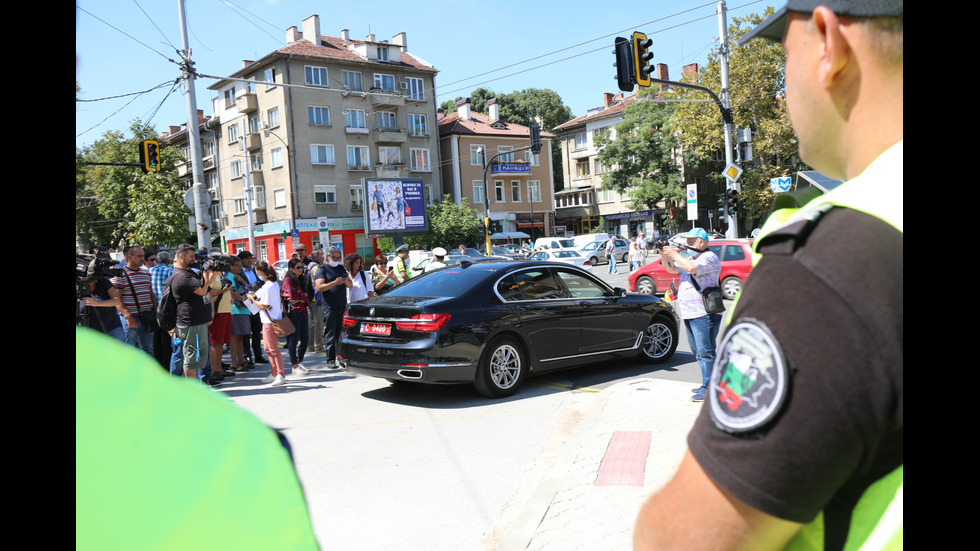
x=190, y=290
x=101, y=299
x=699, y=269
x=139, y=305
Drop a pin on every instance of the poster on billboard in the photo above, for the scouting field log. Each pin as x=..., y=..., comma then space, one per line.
x=395, y=206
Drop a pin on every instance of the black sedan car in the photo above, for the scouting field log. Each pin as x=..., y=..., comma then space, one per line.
x=494, y=323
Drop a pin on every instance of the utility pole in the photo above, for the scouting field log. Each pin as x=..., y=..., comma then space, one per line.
x=201, y=214
x=730, y=184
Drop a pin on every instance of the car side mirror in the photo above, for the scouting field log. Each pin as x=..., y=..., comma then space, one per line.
x=619, y=292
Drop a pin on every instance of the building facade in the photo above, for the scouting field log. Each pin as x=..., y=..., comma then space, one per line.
x=209, y=132
x=304, y=127
x=518, y=184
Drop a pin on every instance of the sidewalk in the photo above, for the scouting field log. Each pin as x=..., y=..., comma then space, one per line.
x=628, y=444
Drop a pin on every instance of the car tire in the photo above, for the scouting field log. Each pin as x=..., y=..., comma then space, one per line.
x=594, y=260
x=646, y=286
x=659, y=340
x=731, y=286
x=626, y=258
x=502, y=368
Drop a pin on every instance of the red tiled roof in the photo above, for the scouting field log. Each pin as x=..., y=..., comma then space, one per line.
x=609, y=111
x=482, y=125
x=334, y=47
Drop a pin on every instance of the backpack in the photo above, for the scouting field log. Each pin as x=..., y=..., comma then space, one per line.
x=167, y=309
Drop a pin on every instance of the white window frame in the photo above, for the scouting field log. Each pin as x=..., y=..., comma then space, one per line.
x=534, y=191
x=581, y=140
x=235, y=169
x=418, y=125
x=515, y=191
x=269, y=76
x=258, y=197
x=420, y=153
x=478, y=154
x=350, y=78
x=382, y=53
x=229, y=98
x=316, y=75
x=315, y=115
x=256, y=159
x=354, y=119
x=329, y=194
x=365, y=154
x=379, y=81
x=415, y=89
x=239, y=205
x=356, y=198
x=386, y=119
x=499, y=191
x=326, y=157
x=232, y=131
x=479, y=194
x=532, y=159
x=509, y=157
x=275, y=157
x=273, y=117
x=385, y=155
x=279, y=197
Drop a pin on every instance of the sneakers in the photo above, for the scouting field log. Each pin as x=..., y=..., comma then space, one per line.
x=300, y=369
x=699, y=395
x=267, y=380
x=279, y=380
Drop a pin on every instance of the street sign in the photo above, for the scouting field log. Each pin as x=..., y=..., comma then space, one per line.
x=732, y=172
x=780, y=185
x=692, y=202
x=295, y=233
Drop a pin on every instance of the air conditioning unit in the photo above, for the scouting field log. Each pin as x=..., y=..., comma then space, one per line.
x=404, y=85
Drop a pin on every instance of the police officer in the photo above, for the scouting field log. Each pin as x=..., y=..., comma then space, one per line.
x=401, y=265
x=439, y=254
x=800, y=443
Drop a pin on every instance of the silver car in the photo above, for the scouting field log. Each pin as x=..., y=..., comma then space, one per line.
x=596, y=251
x=562, y=255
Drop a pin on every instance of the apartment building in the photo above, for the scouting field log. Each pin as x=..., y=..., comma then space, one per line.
x=518, y=184
x=208, y=130
x=584, y=204
x=305, y=126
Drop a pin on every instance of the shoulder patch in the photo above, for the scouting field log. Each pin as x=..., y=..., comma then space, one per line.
x=750, y=380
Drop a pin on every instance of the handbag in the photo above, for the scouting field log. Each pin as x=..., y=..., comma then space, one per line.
x=149, y=317
x=283, y=327
x=711, y=296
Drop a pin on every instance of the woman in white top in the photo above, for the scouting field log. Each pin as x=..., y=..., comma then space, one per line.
x=269, y=301
x=360, y=287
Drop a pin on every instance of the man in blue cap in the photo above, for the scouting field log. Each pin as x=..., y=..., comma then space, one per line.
x=800, y=442
x=699, y=269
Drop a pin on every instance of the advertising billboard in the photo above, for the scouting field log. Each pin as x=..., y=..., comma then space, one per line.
x=395, y=206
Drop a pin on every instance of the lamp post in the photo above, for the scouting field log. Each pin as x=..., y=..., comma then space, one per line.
x=294, y=214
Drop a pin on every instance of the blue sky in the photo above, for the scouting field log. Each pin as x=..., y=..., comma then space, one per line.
x=122, y=46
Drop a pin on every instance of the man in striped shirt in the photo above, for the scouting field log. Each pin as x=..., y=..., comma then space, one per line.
x=137, y=296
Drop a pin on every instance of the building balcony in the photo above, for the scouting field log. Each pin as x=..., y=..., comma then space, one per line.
x=390, y=135
x=385, y=98
x=255, y=178
x=392, y=171
x=254, y=141
x=247, y=103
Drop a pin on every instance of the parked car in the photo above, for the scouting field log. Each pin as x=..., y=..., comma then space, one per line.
x=561, y=255
x=736, y=263
x=487, y=323
x=596, y=251
x=554, y=243
x=280, y=267
x=505, y=252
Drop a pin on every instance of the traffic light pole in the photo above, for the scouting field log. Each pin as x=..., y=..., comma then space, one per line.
x=486, y=191
x=194, y=137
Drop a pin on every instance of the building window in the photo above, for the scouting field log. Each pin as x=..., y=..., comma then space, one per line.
x=352, y=81
x=420, y=160
x=597, y=166
x=476, y=155
x=208, y=148
x=531, y=158
x=384, y=82
x=256, y=157
x=273, y=117
x=581, y=141
x=253, y=124
x=321, y=154
x=230, y=98
x=387, y=119
x=318, y=115
x=279, y=196
x=382, y=53
x=356, y=198
x=498, y=192
x=275, y=157
x=325, y=195
x=508, y=158
x=515, y=191
x=414, y=89
x=358, y=157
x=236, y=169
x=478, y=192
x=232, y=132
x=582, y=169
x=417, y=125
x=534, y=190
x=270, y=76
x=258, y=197
x=316, y=76
x=390, y=155
x=354, y=119
x=240, y=205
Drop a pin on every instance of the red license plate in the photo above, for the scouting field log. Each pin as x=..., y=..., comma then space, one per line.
x=376, y=328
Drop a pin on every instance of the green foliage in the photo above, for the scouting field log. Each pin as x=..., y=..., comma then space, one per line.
x=640, y=158
x=757, y=82
x=115, y=203
x=450, y=224
x=386, y=244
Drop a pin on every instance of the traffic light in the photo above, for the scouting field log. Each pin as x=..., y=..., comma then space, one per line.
x=535, y=138
x=150, y=155
x=732, y=201
x=641, y=58
x=624, y=64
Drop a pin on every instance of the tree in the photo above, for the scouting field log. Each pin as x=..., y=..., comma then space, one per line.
x=640, y=158
x=451, y=224
x=757, y=83
x=115, y=203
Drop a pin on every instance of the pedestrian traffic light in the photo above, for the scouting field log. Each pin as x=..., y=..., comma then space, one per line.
x=150, y=155
x=535, y=138
x=642, y=55
x=624, y=64
x=732, y=201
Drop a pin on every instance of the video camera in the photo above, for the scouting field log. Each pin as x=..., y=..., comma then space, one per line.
x=90, y=267
x=660, y=242
x=213, y=262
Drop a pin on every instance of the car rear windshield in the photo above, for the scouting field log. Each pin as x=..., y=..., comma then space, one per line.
x=453, y=281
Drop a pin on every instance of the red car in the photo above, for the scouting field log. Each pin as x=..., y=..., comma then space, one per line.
x=736, y=263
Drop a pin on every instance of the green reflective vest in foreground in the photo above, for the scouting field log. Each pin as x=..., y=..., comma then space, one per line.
x=877, y=522
x=165, y=463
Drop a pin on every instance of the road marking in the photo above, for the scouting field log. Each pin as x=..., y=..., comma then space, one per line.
x=625, y=459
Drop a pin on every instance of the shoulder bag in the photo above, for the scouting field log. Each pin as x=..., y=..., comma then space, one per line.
x=149, y=317
x=712, y=297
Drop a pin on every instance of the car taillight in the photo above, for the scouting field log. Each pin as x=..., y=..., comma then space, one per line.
x=349, y=322
x=424, y=322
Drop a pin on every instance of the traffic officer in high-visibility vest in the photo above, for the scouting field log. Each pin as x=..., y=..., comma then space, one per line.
x=800, y=443
x=402, y=270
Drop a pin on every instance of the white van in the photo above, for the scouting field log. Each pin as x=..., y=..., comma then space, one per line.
x=585, y=239
x=554, y=243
